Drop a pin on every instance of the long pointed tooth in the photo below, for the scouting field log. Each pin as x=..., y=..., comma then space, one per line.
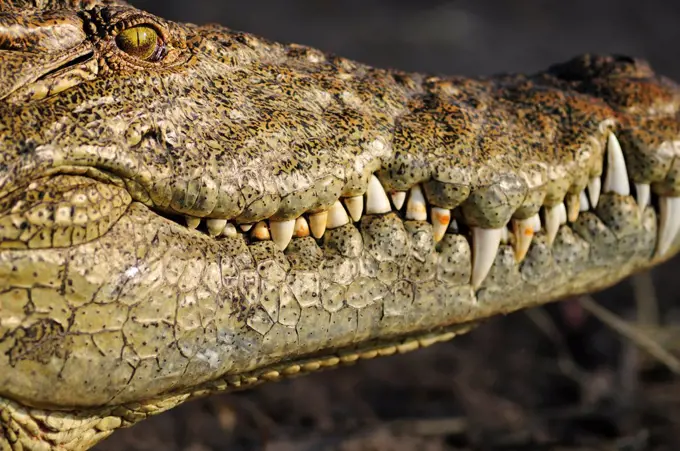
x=355, y=206
x=553, y=217
x=669, y=223
x=337, y=216
x=317, y=222
x=192, y=222
x=230, y=231
x=398, y=198
x=573, y=207
x=485, y=244
x=282, y=232
x=216, y=226
x=594, y=189
x=523, y=229
x=301, y=227
x=416, y=208
x=616, y=180
x=246, y=227
x=643, y=195
x=376, y=199
x=583, y=202
x=261, y=231
x=562, y=211
x=441, y=218
x=535, y=222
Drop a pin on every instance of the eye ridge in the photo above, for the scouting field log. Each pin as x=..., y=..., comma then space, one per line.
x=142, y=42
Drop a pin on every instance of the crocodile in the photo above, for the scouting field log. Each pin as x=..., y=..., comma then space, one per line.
x=190, y=209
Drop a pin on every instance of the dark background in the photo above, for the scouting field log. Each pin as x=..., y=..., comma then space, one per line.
x=551, y=378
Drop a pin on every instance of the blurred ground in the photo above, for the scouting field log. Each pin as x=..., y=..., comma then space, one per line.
x=553, y=378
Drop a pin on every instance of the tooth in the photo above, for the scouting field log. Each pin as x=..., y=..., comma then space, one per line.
x=669, y=223
x=535, y=222
x=246, y=227
x=317, y=223
x=229, y=230
x=594, y=188
x=643, y=195
x=282, y=232
x=441, y=218
x=261, y=232
x=553, y=219
x=215, y=226
x=416, y=208
x=376, y=199
x=616, y=180
x=485, y=244
x=337, y=216
x=562, y=210
x=192, y=222
x=355, y=206
x=523, y=229
x=505, y=235
x=573, y=207
x=583, y=202
x=398, y=198
x=301, y=227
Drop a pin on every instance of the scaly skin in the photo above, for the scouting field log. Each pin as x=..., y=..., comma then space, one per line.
x=111, y=309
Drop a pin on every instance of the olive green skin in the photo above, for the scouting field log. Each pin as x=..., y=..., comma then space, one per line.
x=110, y=310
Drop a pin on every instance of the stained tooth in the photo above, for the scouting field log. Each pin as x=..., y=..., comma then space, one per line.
x=573, y=207
x=669, y=223
x=229, y=230
x=317, y=223
x=485, y=244
x=523, y=229
x=594, y=188
x=643, y=195
x=376, y=199
x=301, y=227
x=416, y=208
x=216, y=226
x=282, y=232
x=192, y=222
x=553, y=219
x=583, y=202
x=355, y=206
x=246, y=227
x=337, y=216
x=261, y=231
x=398, y=198
x=616, y=180
x=441, y=218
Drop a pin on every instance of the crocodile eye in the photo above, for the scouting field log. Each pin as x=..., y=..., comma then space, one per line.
x=142, y=42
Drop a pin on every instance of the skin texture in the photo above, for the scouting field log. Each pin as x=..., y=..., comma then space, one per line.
x=111, y=309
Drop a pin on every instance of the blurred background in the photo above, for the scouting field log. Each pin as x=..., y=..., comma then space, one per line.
x=550, y=378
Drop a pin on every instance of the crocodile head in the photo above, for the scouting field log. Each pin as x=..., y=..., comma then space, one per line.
x=189, y=209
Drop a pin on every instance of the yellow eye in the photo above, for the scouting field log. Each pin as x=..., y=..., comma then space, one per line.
x=141, y=42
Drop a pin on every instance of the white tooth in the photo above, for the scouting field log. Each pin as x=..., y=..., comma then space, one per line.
x=192, y=222
x=216, y=226
x=261, y=231
x=643, y=195
x=616, y=180
x=416, y=208
x=317, y=223
x=594, y=188
x=485, y=244
x=230, y=231
x=535, y=222
x=441, y=218
x=282, y=232
x=301, y=227
x=337, y=216
x=573, y=207
x=553, y=218
x=355, y=206
x=505, y=235
x=398, y=198
x=583, y=202
x=523, y=229
x=246, y=227
x=562, y=211
x=669, y=223
x=376, y=199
